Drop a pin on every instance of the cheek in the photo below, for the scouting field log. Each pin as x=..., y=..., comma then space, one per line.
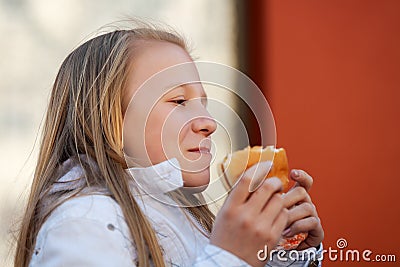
x=173, y=136
x=153, y=133
x=164, y=134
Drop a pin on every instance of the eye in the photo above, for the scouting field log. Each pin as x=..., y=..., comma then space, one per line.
x=180, y=102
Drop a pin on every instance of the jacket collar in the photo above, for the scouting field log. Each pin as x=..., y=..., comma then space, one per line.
x=156, y=179
x=159, y=178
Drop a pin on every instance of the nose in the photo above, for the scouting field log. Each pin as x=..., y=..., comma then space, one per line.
x=204, y=124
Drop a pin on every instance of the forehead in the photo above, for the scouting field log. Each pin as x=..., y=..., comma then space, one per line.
x=151, y=57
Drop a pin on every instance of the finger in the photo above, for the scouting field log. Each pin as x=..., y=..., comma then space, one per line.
x=302, y=178
x=280, y=223
x=300, y=212
x=296, y=195
x=314, y=237
x=258, y=172
x=305, y=225
x=272, y=209
x=240, y=192
x=259, y=198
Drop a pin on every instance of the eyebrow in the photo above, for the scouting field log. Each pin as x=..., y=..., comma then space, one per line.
x=189, y=87
x=203, y=95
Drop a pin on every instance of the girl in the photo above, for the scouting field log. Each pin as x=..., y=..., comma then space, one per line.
x=89, y=206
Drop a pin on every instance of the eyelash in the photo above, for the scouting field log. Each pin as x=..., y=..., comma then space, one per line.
x=179, y=101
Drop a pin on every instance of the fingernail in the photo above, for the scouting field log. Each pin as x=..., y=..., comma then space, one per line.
x=296, y=173
x=286, y=232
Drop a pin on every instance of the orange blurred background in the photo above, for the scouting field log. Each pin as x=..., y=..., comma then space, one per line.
x=331, y=73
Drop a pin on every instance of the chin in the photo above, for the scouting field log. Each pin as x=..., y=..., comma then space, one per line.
x=196, y=182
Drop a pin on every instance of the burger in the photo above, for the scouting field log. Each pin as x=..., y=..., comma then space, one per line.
x=235, y=164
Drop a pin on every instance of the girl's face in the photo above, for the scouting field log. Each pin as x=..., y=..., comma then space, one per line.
x=163, y=123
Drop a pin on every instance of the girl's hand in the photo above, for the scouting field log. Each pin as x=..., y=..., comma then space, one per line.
x=249, y=221
x=303, y=216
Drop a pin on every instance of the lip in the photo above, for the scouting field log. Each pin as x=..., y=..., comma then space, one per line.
x=201, y=150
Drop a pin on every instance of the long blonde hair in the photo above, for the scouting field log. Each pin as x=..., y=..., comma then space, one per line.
x=84, y=116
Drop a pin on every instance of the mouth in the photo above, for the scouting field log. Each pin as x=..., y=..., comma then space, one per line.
x=200, y=150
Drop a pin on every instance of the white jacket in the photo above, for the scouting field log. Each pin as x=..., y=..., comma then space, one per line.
x=90, y=230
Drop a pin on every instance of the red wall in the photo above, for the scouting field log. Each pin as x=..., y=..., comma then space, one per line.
x=331, y=72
